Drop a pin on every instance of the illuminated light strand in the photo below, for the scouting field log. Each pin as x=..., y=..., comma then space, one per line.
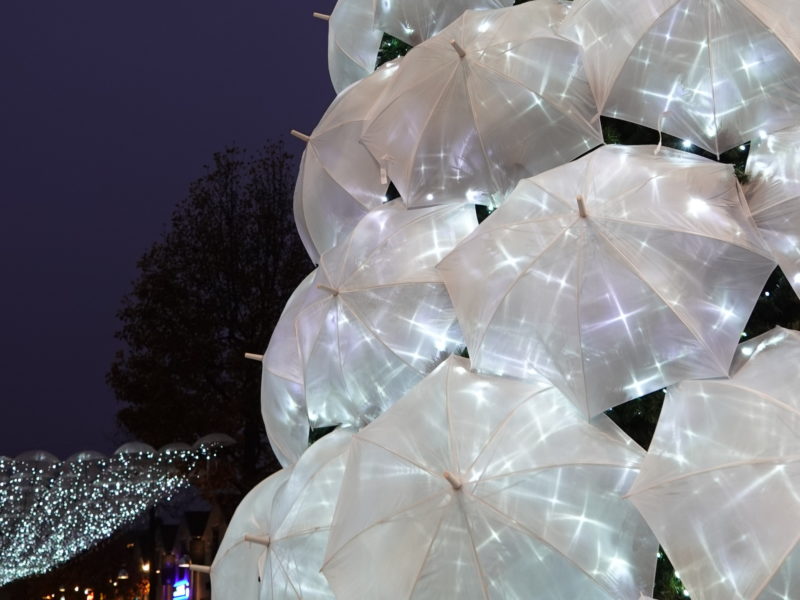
x=52, y=512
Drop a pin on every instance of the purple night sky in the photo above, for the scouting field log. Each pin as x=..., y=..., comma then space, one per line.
x=107, y=111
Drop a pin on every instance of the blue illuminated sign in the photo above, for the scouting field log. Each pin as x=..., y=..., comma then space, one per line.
x=180, y=590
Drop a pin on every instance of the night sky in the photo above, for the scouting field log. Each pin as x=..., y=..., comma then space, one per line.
x=107, y=111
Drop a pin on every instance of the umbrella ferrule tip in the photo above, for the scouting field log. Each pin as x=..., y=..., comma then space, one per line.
x=458, y=48
x=452, y=480
x=581, y=206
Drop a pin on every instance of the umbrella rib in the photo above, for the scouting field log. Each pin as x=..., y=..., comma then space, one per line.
x=571, y=116
x=711, y=74
x=578, y=289
x=776, y=568
x=478, y=132
x=412, y=155
x=520, y=527
x=508, y=291
x=699, y=234
x=558, y=466
x=503, y=423
x=385, y=519
x=690, y=328
x=398, y=455
x=473, y=547
x=374, y=335
x=331, y=175
x=762, y=395
x=450, y=433
x=724, y=466
x=275, y=558
x=427, y=553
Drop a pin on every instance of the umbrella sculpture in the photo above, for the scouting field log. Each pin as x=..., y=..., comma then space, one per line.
x=495, y=97
x=353, y=42
x=377, y=317
x=714, y=72
x=283, y=401
x=721, y=484
x=339, y=180
x=612, y=276
x=414, y=21
x=305, y=505
x=773, y=195
x=239, y=563
x=483, y=487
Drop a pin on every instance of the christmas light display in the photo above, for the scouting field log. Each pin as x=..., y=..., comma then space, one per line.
x=54, y=510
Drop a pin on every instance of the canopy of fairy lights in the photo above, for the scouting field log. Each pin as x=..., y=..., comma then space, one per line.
x=53, y=510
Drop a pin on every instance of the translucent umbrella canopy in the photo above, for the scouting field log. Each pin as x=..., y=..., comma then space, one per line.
x=773, y=194
x=714, y=72
x=283, y=401
x=653, y=286
x=721, y=484
x=464, y=121
x=339, y=180
x=353, y=42
x=238, y=564
x=377, y=316
x=414, y=21
x=305, y=505
x=485, y=487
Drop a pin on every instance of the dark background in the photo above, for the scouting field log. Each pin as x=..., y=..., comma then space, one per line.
x=107, y=111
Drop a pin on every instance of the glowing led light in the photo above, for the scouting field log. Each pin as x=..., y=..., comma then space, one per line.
x=742, y=148
x=686, y=144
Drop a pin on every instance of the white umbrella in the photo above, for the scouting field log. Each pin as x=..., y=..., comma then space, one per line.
x=653, y=285
x=283, y=402
x=773, y=195
x=353, y=42
x=238, y=564
x=714, y=72
x=484, y=487
x=339, y=180
x=414, y=21
x=304, y=509
x=721, y=483
x=377, y=316
x=495, y=97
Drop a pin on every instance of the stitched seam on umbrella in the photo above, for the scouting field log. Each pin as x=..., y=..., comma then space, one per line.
x=511, y=286
x=768, y=28
x=330, y=174
x=573, y=117
x=578, y=289
x=427, y=553
x=473, y=547
x=673, y=310
x=724, y=466
x=501, y=425
x=601, y=109
x=450, y=433
x=774, y=571
x=374, y=335
x=644, y=224
x=384, y=520
x=520, y=527
x=398, y=455
x=711, y=73
x=537, y=469
x=489, y=163
x=412, y=155
x=285, y=572
x=762, y=395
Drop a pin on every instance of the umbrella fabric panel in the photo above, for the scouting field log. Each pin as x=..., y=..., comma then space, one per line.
x=283, y=405
x=235, y=571
x=712, y=72
x=467, y=129
x=530, y=465
x=414, y=21
x=353, y=42
x=653, y=286
x=773, y=166
x=339, y=180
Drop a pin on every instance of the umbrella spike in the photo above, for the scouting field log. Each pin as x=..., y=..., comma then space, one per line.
x=200, y=568
x=581, y=206
x=300, y=136
x=453, y=480
x=257, y=539
x=251, y=356
x=458, y=48
x=321, y=16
